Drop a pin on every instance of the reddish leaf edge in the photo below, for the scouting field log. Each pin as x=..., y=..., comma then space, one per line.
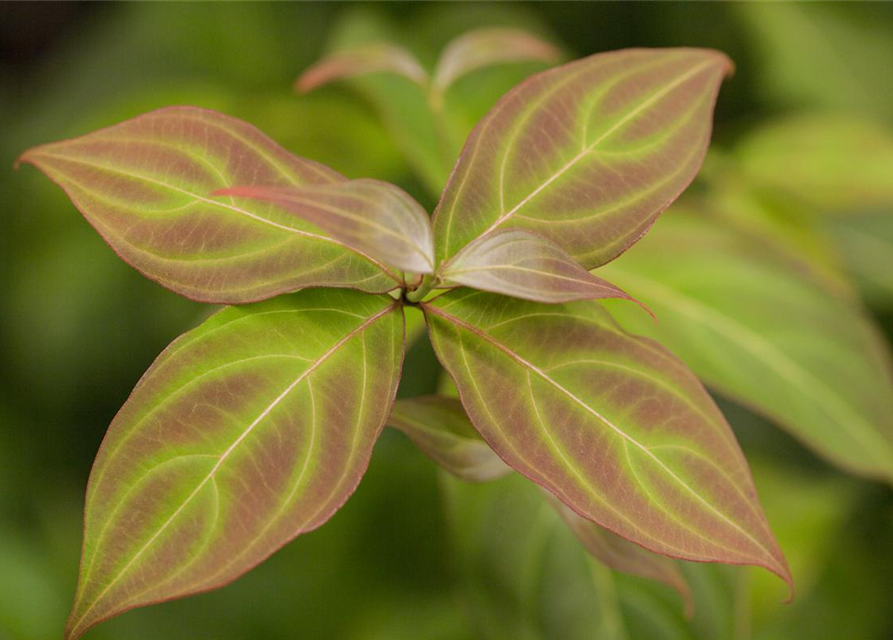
x=24, y=159
x=67, y=635
x=784, y=573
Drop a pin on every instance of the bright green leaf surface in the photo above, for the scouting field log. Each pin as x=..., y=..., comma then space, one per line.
x=145, y=185
x=247, y=431
x=759, y=326
x=525, y=265
x=439, y=427
x=588, y=154
x=611, y=423
x=374, y=217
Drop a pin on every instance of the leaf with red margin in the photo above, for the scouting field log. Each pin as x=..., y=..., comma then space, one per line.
x=486, y=47
x=145, y=186
x=612, y=424
x=245, y=432
x=374, y=217
x=587, y=154
x=377, y=57
x=525, y=265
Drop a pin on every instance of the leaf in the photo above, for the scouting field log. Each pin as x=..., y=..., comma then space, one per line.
x=622, y=555
x=374, y=217
x=245, y=432
x=587, y=154
x=832, y=163
x=439, y=427
x=145, y=186
x=612, y=424
x=763, y=328
x=378, y=57
x=489, y=46
x=525, y=265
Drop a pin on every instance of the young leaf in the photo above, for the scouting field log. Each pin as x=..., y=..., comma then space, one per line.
x=377, y=57
x=371, y=216
x=760, y=327
x=622, y=555
x=611, y=423
x=145, y=186
x=439, y=427
x=245, y=432
x=587, y=154
x=488, y=46
x=525, y=265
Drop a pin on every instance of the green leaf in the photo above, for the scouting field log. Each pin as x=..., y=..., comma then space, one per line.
x=373, y=217
x=245, y=432
x=377, y=57
x=145, y=186
x=525, y=265
x=439, y=427
x=831, y=163
x=486, y=47
x=587, y=154
x=761, y=327
x=612, y=424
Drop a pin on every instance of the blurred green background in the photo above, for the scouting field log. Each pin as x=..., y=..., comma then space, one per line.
x=410, y=555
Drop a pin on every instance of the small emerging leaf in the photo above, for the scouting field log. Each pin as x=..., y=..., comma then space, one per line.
x=484, y=47
x=439, y=427
x=612, y=424
x=371, y=58
x=245, y=432
x=525, y=265
x=374, y=217
x=587, y=154
x=145, y=186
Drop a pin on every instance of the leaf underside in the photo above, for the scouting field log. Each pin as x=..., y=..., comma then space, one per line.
x=587, y=154
x=245, y=432
x=145, y=186
x=612, y=424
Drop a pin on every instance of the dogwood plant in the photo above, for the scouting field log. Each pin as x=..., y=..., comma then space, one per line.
x=258, y=425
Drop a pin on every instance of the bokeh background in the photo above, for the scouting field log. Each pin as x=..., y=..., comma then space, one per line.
x=412, y=555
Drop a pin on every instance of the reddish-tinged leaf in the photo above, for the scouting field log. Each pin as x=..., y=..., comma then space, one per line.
x=587, y=154
x=371, y=58
x=249, y=430
x=525, y=265
x=622, y=555
x=485, y=47
x=145, y=186
x=373, y=217
x=612, y=424
x=439, y=427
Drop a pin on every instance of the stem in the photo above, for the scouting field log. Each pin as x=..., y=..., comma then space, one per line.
x=417, y=294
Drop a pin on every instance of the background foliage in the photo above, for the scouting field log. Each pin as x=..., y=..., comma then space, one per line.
x=414, y=554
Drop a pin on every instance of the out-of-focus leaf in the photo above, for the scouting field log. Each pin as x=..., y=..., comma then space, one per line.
x=830, y=162
x=525, y=265
x=145, y=186
x=249, y=430
x=588, y=154
x=611, y=423
x=622, y=555
x=439, y=427
x=760, y=327
x=489, y=46
x=376, y=218
x=865, y=244
x=378, y=57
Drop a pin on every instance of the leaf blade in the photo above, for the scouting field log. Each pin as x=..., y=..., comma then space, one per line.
x=492, y=350
x=524, y=265
x=374, y=217
x=525, y=141
x=144, y=185
x=184, y=497
x=378, y=57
